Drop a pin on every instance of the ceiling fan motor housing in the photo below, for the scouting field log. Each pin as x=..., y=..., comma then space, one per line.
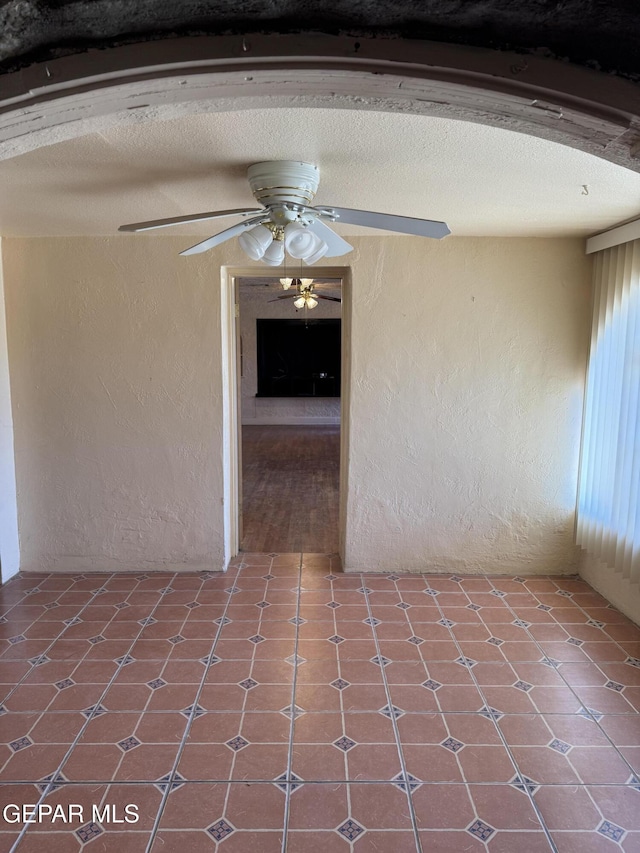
x=279, y=182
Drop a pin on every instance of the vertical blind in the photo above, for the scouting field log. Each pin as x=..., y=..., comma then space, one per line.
x=608, y=507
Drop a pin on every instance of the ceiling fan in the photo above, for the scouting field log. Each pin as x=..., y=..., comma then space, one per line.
x=304, y=295
x=287, y=222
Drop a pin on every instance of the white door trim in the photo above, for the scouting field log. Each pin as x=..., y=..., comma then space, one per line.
x=231, y=399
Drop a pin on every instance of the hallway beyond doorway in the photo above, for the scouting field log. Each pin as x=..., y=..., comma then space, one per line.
x=290, y=488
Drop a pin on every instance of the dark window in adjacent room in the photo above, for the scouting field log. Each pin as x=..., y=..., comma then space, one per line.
x=298, y=359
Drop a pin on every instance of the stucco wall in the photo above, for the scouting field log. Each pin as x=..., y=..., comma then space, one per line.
x=468, y=371
x=114, y=351
x=468, y=361
x=254, y=304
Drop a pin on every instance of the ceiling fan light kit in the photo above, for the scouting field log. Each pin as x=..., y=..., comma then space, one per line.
x=287, y=222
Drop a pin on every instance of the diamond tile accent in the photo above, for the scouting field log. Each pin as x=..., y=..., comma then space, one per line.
x=268, y=577
x=221, y=620
x=559, y=746
x=468, y=662
x=177, y=639
x=156, y=683
x=237, y=743
x=89, y=831
x=142, y=577
x=391, y=711
x=589, y=714
x=167, y=590
x=125, y=660
x=364, y=590
x=521, y=623
x=100, y=591
x=345, y=744
x=473, y=607
x=337, y=639
x=121, y=605
x=611, y=830
x=192, y=604
x=551, y=662
x=455, y=579
x=431, y=684
x=495, y=641
x=50, y=605
x=371, y=621
x=148, y=620
x=58, y=779
x=294, y=711
x=403, y=605
x=39, y=660
x=21, y=743
x=66, y=682
x=380, y=660
x=415, y=640
x=399, y=782
x=452, y=744
x=94, y=711
x=613, y=685
x=220, y=829
x=3, y=710
x=196, y=710
x=481, y=830
x=163, y=782
x=210, y=660
x=297, y=620
x=448, y=623
x=333, y=604
x=393, y=577
x=263, y=604
x=206, y=576
x=498, y=593
x=595, y=623
x=19, y=638
x=634, y=782
x=75, y=621
x=248, y=683
x=575, y=642
x=295, y=660
x=490, y=713
x=433, y=592
x=519, y=580
x=331, y=577
x=294, y=782
x=523, y=685
x=129, y=743
x=350, y=830
x=33, y=590
x=257, y=638
x=340, y=684
x=565, y=593
x=524, y=784
x=633, y=661
x=544, y=607
x=97, y=639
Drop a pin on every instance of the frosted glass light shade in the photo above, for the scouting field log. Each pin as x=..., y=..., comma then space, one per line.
x=256, y=241
x=274, y=255
x=311, y=302
x=299, y=302
x=298, y=240
x=319, y=252
x=286, y=283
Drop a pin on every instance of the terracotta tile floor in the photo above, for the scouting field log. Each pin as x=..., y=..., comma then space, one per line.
x=281, y=707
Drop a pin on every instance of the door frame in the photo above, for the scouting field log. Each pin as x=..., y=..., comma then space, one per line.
x=231, y=414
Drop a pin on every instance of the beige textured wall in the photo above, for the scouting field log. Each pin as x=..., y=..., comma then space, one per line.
x=114, y=352
x=263, y=410
x=467, y=372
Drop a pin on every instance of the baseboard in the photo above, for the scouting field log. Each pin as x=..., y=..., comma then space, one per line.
x=293, y=421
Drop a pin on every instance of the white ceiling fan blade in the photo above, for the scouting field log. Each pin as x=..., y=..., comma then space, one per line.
x=181, y=220
x=390, y=222
x=337, y=246
x=222, y=236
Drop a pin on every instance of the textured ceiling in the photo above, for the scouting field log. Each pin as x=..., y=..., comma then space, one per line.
x=599, y=33
x=481, y=180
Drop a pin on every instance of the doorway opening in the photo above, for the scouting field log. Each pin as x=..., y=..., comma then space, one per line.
x=287, y=410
